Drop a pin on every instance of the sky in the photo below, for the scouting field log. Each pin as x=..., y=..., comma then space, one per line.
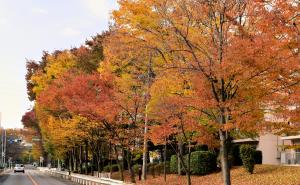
x=29, y=27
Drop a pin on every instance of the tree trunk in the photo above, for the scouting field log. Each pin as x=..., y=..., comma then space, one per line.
x=86, y=158
x=165, y=159
x=70, y=161
x=186, y=167
x=110, y=160
x=132, y=178
x=145, y=149
x=93, y=162
x=99, y=159
x=120, y=164
x=188, y=175
x=180, y=153
x=188, y=171
x=224, y=158
x=58, y=164
x=80, y=159
x=98, y=166
x=74, y=159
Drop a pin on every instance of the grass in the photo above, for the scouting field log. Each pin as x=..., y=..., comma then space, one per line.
x=263, y=175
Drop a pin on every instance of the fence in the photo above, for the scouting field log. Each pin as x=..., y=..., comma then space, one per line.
x=82, y=179
x=101, y=175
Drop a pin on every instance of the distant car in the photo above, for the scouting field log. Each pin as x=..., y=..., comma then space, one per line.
x=19, y=168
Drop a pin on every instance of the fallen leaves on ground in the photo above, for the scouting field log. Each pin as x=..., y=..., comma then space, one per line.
x=263, y=175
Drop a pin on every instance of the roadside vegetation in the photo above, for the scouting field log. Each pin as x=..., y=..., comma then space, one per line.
x=263, y=175
x=167, y=88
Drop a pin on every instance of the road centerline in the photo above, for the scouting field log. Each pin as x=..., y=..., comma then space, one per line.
x=32, y=180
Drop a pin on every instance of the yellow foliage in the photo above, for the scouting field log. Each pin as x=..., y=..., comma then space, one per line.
x=56, y=65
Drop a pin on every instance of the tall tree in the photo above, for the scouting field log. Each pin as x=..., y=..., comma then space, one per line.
x=239, y=54
x=134, y=64
x=170, y=95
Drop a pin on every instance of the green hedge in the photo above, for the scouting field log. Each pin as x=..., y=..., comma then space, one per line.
x=173, y=164
x=114, y=168
x=203, y=162
x=247, y=153
x=258, y=157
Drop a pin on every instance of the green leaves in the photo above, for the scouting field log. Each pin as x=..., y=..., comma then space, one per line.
x=247, y=153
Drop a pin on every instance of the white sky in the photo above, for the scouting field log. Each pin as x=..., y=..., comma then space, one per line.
x=27, y=27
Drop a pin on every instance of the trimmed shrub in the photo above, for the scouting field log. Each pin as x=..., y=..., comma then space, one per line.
x=114, y=168
x=173, y=164
x=247, y=155
x=258, y=157
x=203, y=162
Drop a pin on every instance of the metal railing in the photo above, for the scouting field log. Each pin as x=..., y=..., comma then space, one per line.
x=290, y=157
x=82, y=179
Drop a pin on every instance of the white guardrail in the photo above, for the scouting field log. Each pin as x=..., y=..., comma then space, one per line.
x=82, y=179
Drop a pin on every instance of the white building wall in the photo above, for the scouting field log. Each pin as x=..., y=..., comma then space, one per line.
x=269, y=145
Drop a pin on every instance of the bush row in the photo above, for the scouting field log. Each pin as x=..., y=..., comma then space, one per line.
x=202, y=162
x=236, y=156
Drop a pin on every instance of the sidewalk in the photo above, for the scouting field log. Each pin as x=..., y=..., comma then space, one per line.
x=82, y=179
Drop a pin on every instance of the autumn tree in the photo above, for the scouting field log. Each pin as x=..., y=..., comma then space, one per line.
x=85, y=95
x=239, y=54
x=40, y=75
x=134, y=66
x=168, y=107
x=29, y=120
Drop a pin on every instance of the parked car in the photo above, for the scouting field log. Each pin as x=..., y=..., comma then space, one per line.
x=19, y=168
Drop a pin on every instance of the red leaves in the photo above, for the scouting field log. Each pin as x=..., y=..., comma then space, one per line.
x=29, y=120
x=89, y=95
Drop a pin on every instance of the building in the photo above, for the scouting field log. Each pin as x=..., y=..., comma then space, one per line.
x=276, y=150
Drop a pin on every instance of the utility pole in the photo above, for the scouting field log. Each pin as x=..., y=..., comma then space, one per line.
x=1, y=133
x=3, y=143
x=4, y=148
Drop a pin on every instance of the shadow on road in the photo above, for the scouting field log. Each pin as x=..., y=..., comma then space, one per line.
x=3, y=178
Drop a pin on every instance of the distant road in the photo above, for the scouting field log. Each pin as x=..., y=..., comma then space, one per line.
x=31, y=177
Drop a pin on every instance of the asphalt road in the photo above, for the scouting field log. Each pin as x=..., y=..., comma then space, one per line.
x=31, y=177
